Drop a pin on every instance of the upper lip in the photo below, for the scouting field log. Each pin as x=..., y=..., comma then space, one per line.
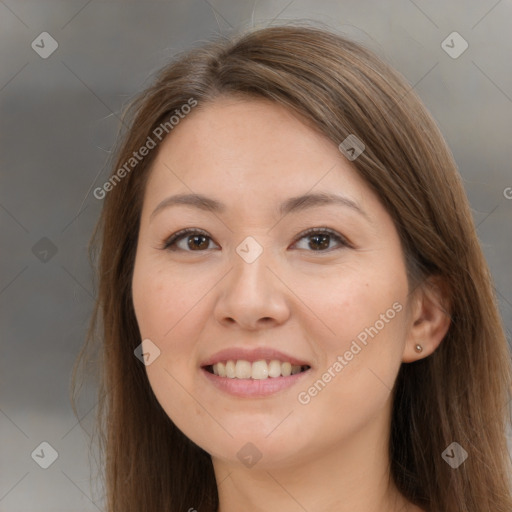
x=251, y=355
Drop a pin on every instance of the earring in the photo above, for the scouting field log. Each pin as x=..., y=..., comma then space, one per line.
x=418, y=348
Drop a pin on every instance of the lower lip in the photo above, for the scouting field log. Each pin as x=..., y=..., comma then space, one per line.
x=253, y=388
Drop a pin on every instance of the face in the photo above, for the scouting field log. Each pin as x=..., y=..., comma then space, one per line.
x=263, y=285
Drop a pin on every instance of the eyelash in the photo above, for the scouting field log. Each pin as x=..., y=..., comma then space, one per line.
x=173, y=239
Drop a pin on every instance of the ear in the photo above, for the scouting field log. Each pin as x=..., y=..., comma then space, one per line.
x=429, y=320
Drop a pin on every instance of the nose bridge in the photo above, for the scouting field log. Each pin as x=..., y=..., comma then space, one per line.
x=251, y=291
x=251, y=277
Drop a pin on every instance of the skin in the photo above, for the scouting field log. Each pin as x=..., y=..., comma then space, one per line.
x=328, y=454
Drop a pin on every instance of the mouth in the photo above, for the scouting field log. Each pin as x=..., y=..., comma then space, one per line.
x=257, y=370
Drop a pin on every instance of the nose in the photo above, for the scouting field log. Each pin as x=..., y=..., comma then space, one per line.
x=253, y=295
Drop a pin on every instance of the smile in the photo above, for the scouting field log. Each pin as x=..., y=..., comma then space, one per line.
x=257, y=370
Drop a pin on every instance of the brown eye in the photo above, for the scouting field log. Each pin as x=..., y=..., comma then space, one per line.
x=195, y=241
x=320, y=239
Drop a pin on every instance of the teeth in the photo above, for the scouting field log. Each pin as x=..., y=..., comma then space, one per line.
x=258, y=370
x=243, y=369
x=274, y=369
x=221, y=369
x=286, y=369
x=230, y=369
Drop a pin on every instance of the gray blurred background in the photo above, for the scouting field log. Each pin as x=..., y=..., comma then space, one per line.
x=59, y=117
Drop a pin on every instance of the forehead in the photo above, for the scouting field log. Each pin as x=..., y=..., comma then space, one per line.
x=244, y=131
x=232, y=142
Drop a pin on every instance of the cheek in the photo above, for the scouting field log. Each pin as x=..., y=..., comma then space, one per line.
x=361, y=356
x=171, y=311
x=164, y=307
x=368, y=319
x=162, y=299
x=361, y=306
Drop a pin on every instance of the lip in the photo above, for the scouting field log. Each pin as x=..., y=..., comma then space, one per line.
x=253, y=388
x=251, y=355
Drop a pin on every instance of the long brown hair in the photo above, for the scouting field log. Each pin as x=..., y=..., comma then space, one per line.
x=457, y=394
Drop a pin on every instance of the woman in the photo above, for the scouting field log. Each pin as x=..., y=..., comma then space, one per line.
x=294, y=309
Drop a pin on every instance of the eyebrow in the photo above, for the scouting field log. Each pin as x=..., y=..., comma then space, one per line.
x=292, y=204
